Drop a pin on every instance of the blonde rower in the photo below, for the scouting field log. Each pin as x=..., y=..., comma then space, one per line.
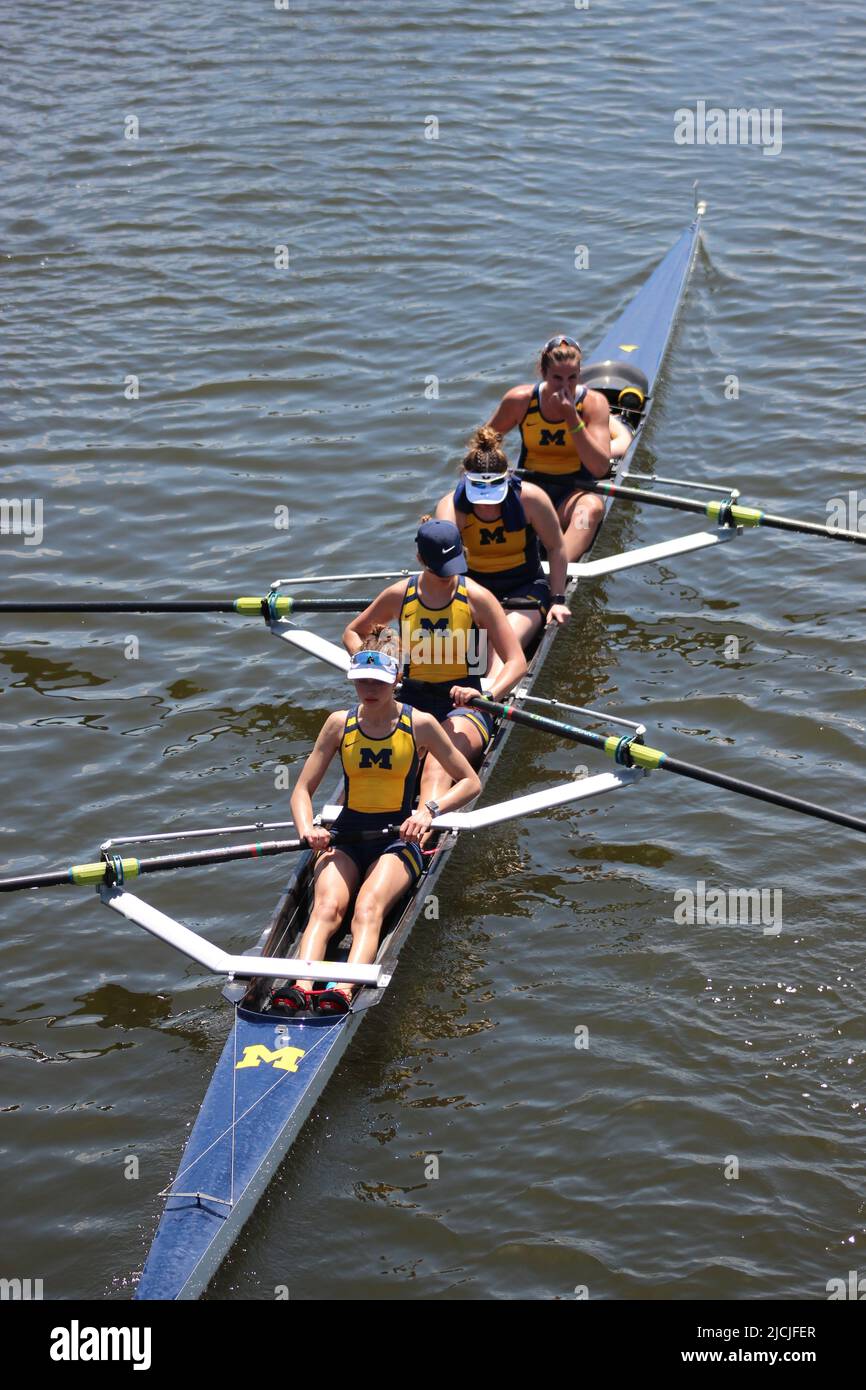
x=568, y=437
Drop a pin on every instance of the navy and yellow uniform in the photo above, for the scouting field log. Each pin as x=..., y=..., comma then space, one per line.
x=548, y=453
x=440, y=647
x=504, y=554
x=379, y=780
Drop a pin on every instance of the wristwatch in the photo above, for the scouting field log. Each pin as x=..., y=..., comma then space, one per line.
x=433, y=808
x=557, y=598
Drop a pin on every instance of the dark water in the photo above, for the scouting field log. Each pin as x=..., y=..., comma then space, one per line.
x=303, y=388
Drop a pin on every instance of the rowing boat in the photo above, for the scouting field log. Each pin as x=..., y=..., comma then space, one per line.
x=273, y=1069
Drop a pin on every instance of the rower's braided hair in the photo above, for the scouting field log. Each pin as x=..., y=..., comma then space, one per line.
x=485, y=453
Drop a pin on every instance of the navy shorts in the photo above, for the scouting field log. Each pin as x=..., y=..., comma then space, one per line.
x=364, y=853
x=559, y=486
x=538, y=590
x=433, y=697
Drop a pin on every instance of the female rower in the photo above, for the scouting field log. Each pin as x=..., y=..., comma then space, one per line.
x=501, y=521
x=381, y=743
x=448, y=624
x=568, y=438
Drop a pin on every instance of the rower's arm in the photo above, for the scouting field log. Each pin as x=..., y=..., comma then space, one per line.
x=313, y=771
x=433, y=739
x=511, y=409
x=490, y=615
x=384, y=609
x=593, y=441
x=545, y=523
x=445, y=510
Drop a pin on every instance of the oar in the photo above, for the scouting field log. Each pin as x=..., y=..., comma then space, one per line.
x=278, y=606
x=270, y=608
x=114, y=870
x=629, y=753
x=724, y=513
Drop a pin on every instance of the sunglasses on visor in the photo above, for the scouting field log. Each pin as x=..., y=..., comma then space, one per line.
x=559, y=341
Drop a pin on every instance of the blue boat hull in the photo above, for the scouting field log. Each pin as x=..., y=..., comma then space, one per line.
x=267, y=1080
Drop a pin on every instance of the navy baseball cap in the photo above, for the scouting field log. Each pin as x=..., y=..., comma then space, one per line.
x=441, y=548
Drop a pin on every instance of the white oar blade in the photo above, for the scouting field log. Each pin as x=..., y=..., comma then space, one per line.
x=578, y=790
x=312, y=644
x=220, y=962
x=649, y=554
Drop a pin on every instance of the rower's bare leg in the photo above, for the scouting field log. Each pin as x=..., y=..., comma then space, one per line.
x=466, y=736
x=525, y=623
x=580, y=516
x=336, y=879
x=386, y=883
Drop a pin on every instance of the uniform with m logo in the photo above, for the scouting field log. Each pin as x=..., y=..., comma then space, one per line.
x=502, y=553
x=491, y=535
x=379, y=773
x=374, y=757
x=547, y=446
x=440, y=645
x=556, y=437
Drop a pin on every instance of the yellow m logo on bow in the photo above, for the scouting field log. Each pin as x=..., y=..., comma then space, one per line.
x=283, y=1059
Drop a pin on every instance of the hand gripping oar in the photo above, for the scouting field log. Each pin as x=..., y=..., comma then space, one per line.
x=628, y=752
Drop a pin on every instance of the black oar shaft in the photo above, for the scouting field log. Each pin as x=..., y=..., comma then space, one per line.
x=725, y=513
x=640, y=755
x=293, y=605
x=114, y=870
x=758, y=793
x=297, y=605
x=651, y=499
x=812, y=528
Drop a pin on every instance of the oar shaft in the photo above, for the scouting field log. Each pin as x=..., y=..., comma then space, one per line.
x=123, y=606
x=812, y=528
x=104, y=871
x=650, y=499
x=252, y=606
x=726, y=513
x=249, y=607
x=757, y=793
x=642, y=756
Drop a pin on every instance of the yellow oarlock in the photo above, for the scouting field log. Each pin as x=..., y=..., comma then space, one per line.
x=742, y=516
x=640, y=754
x=95, y=873
x=251, y=607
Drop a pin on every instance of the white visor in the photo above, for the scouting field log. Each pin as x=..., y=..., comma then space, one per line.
x=373, y=666
x=486, y=487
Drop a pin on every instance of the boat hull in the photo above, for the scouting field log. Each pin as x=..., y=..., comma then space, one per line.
x=271, y=1072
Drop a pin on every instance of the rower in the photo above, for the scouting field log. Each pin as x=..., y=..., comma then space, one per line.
x=501, y=520
x=450, y=626
x=380, y=742
x=568, y=439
